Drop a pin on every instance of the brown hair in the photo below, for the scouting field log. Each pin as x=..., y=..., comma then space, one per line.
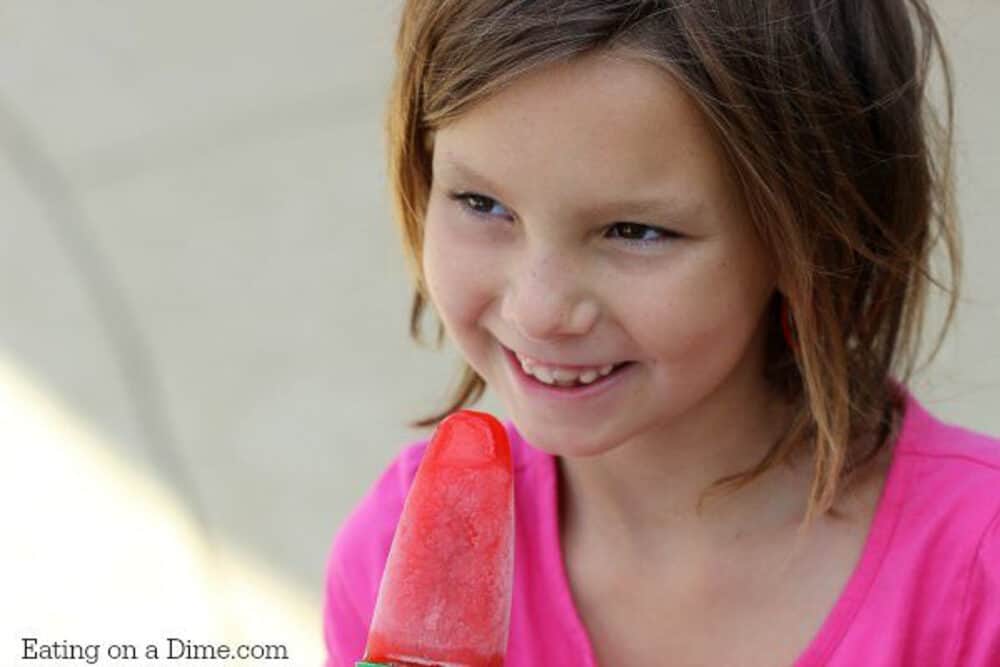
x=820, y=107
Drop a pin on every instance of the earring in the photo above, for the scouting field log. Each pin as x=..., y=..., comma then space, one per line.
x=788, y=325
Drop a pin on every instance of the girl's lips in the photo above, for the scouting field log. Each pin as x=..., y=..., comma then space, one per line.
x=535, y=387
x=575, y=368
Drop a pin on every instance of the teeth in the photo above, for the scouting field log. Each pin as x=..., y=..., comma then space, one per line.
x=544, y=375
x=562, y=377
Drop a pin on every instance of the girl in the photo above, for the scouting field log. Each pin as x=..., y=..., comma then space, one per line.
x=687, y=245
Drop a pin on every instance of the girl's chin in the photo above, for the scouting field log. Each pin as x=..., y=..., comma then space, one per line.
x=563, y=440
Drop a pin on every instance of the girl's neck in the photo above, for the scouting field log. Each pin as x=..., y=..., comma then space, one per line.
x=644, y=494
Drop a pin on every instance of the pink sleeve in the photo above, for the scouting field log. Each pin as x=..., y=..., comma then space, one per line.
x=979, y=645
x=357, y=559
x=344, y=629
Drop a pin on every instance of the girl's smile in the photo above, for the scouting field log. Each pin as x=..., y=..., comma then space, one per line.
x=564, y=384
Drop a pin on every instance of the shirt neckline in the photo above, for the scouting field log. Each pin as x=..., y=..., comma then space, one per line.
x=848, y=603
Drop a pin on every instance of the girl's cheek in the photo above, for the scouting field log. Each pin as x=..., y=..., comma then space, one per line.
x=470, y=282
x=459, y=267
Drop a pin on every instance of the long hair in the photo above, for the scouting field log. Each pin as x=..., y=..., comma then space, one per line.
x=822, y=109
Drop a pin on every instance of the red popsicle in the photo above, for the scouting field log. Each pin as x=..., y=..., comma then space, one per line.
x=446, y=589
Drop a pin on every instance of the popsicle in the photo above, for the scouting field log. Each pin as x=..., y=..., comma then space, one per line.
x=445, y=593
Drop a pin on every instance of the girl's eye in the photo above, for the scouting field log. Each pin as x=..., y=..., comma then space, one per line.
x=633, y=233
x=476, y=204
x=639, y=234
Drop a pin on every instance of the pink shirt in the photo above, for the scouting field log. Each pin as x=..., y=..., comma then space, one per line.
x=925, y=592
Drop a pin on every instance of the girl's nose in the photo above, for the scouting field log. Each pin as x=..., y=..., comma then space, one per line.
x=545, y=301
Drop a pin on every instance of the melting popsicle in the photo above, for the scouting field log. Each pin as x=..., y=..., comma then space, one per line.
x=446, y=589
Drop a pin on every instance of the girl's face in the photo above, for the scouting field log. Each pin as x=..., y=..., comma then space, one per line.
x=583, y=217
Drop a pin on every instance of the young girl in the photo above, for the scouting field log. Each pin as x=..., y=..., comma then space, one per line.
x=687, y=245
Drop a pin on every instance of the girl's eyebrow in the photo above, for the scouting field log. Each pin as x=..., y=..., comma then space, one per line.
x=466, y=171
x=658, y=206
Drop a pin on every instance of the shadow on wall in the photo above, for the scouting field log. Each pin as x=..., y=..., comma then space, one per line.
x=100, y=552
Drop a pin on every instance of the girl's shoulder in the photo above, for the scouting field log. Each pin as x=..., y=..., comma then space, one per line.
x=951, y=455
x=951, y=473
x=946, y=524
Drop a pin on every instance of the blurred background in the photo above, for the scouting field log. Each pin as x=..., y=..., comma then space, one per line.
x=204, y=360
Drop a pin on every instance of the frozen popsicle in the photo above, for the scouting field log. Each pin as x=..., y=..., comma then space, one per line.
x=446, y=589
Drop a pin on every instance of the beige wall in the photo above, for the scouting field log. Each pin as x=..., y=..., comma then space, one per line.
x=203, y=350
